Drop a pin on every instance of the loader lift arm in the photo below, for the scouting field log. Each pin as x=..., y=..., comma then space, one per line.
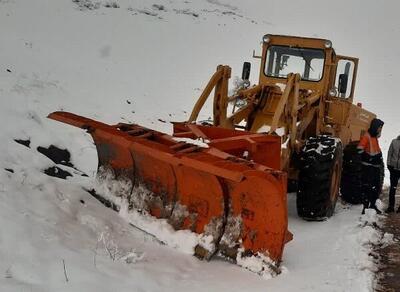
x=288, y=109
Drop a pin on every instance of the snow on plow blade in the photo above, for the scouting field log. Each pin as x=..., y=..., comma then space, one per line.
x=238, y=206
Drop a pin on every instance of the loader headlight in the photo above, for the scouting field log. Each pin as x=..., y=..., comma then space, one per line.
x=267, y=38
x=328, y=44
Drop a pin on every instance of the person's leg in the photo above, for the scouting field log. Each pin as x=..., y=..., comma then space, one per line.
x=370, y=185
x=365, y=186
x=393, y=184
x=375, y=188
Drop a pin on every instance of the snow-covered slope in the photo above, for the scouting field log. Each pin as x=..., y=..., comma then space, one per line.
x=145, y=62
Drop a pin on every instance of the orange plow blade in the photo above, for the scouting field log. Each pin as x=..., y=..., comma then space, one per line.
x=237, y=205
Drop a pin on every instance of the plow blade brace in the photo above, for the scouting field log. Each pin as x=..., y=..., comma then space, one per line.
x=236, y=205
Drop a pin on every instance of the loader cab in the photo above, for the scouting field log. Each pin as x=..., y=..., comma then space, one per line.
x=311, y=58
x=314, y=59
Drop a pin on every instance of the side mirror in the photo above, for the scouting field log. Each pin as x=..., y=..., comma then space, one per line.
x=343, y=79
x=246, y=71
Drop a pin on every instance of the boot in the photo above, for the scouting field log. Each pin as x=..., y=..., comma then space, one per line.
x=372, y=205
x=376, y=209
x=390, y=209
x=365, y=206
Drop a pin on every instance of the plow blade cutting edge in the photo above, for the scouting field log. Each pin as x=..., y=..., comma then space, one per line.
x=236, y=205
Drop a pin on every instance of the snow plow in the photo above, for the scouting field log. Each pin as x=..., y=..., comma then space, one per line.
x=237, y=205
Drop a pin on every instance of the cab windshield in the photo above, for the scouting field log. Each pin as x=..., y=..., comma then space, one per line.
x=282, y=60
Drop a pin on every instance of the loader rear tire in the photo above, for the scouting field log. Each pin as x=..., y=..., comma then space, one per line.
x=350, y=188
x=319, y=177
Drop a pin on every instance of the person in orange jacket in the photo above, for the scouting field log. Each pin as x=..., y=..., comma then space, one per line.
x=372, y=162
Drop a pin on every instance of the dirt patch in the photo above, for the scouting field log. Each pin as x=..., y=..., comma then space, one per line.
x=103, y=200
x=55, y=171
x=388, y=278
x=57, y=155
x=26, y=143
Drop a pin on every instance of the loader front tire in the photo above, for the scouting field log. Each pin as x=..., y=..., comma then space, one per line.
x=319, y=177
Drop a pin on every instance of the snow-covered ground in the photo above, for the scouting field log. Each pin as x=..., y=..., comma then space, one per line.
x=146, y=62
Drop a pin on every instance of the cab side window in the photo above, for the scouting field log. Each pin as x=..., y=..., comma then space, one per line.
x=344, y=78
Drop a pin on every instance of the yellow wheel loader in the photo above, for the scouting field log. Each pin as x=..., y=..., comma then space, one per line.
x=304, y=95
x=293, y=124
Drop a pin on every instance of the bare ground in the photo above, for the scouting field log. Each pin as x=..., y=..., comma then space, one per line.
x=388, y=274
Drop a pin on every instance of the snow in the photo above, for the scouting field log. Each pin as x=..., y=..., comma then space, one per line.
x=145, y=62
